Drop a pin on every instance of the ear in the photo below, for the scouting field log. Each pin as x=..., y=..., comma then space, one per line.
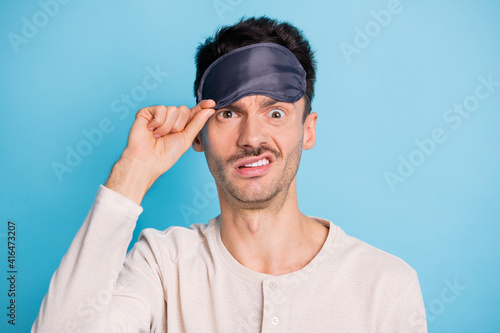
x=310, y=131
x=198, y=142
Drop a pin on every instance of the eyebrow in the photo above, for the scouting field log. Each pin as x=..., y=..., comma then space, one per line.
x=267, y=102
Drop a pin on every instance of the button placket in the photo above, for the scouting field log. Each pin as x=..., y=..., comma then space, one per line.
x=275, y=306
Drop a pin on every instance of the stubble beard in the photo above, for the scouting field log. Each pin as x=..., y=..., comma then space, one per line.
x=251, y=198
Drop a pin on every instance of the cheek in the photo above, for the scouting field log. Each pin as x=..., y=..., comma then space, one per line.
x=217, y=129
x=216, y=138
x=289, y=138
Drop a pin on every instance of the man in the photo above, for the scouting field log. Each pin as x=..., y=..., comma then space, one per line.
x=261, y=265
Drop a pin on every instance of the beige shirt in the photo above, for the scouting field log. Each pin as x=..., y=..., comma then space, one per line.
x=184, y=280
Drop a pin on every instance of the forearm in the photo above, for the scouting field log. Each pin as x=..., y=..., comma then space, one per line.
x=131, y=178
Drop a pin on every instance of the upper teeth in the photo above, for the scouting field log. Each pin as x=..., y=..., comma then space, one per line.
x=261, y=162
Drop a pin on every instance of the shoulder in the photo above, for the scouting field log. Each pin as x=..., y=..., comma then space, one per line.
x=176, y=233
x=175, y=241
x=364, y=260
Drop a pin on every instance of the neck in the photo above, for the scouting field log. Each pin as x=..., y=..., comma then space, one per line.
x=274, y=238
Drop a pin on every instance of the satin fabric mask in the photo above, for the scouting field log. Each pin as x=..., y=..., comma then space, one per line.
x=258, y=69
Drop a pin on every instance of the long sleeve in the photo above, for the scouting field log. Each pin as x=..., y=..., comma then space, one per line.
x=407, y=313
x=98, y=287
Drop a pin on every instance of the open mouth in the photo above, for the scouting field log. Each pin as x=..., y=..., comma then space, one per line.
x=261, y=162
x=254, y=166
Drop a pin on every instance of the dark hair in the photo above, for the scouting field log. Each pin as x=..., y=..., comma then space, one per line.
x=258, y=30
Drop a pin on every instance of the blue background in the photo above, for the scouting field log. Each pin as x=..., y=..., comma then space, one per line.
x=443, y=219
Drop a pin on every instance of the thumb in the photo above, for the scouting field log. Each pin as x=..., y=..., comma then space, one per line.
x=196, y=124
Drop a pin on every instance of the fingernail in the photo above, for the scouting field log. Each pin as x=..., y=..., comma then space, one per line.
x=156, y=136
x=151, y=128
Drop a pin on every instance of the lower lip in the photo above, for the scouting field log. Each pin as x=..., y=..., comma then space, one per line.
x=253, y=172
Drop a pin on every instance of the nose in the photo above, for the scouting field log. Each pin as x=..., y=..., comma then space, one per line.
x=253, y=132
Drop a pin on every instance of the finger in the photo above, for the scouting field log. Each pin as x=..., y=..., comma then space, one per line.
x=182, y=119
x=196, y=124
x=171, y=116
x=156, y=116
x=204, y=104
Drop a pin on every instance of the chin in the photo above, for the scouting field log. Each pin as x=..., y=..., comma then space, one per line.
x=255, y=195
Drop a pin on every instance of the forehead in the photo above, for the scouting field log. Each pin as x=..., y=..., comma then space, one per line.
x=259, y=100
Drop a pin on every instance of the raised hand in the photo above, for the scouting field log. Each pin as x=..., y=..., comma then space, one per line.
x=158, y=138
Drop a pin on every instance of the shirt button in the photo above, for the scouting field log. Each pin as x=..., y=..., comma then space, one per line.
x=273, y=285
x=275, y=320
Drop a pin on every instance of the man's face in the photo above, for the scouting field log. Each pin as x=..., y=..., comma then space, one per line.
x=253, y=147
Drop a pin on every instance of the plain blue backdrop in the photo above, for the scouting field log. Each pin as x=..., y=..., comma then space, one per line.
x=392, y=76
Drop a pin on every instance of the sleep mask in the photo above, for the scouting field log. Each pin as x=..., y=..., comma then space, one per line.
x=258, y=69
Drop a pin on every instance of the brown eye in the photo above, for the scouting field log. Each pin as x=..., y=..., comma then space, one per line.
x=276, y=114
x=227, y=114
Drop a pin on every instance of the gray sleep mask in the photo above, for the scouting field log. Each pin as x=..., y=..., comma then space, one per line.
x=258, y=69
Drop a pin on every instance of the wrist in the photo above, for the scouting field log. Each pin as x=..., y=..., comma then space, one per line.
x=130, y=178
